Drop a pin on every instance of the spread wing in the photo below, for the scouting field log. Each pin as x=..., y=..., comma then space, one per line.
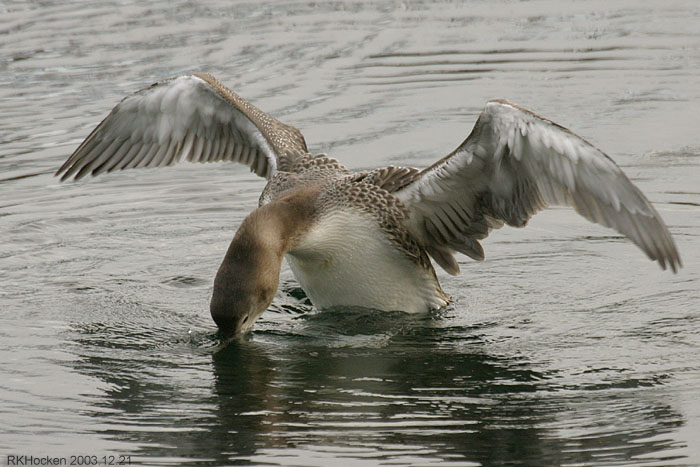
x=514, y=164
x=192, y=117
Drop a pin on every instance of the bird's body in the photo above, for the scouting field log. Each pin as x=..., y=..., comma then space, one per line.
x=356, y=251
x=345, y=260
x=365, y=239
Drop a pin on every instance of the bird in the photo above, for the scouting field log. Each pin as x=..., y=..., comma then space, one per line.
x=365, y=239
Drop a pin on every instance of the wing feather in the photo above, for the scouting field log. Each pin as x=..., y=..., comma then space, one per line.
x=192, y=117
x=514, y=164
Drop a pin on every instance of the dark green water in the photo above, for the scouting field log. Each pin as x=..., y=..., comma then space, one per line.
x=565, y=346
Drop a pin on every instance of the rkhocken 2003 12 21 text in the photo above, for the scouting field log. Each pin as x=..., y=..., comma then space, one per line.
x=74, y=460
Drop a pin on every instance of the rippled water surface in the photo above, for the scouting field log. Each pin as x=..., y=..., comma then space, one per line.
x=565, y=346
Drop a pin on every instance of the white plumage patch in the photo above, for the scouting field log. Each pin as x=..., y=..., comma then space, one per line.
x=346, y=260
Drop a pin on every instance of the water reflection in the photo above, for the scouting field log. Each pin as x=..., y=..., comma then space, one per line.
x=391, y=387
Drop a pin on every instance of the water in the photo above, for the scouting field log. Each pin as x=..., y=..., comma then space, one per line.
x=566, y=346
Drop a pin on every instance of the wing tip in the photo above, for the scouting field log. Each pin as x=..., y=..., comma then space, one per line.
x=60, y=173
x=664, y=252
x=445, y=258
x=65, y=172
x=672, y=261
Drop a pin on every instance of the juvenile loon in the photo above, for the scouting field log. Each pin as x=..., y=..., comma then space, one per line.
x=365, y=238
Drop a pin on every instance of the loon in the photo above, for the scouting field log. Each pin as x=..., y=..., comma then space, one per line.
x=365, y=239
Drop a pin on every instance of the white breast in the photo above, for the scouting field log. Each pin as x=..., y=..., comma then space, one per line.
x=346, y=260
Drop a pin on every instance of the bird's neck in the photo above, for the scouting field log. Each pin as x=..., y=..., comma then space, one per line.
x=248, y=277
